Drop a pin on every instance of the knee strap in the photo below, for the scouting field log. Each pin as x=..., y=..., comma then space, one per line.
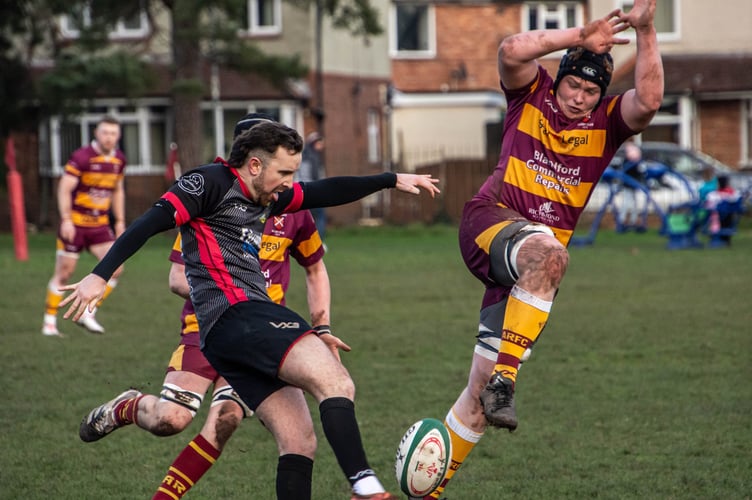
x=227, y=393
x=186, y=399
x=505, y=246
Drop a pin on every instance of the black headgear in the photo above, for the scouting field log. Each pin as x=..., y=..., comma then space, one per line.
x=596, y=68
x=250, y=120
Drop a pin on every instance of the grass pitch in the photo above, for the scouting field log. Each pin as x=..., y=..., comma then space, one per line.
x=639, y=388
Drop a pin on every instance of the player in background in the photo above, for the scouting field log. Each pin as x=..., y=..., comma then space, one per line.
x=559, y=136
x=263, y=349
x=91, y=185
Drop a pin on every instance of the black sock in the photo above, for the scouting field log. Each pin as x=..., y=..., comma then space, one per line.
x=294, y=477
x=341, y=430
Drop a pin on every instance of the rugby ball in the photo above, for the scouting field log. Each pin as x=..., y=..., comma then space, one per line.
x=423, y=457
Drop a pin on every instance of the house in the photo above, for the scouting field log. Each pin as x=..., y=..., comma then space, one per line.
x=447, y=103
x=340, y=97
x=447, y=107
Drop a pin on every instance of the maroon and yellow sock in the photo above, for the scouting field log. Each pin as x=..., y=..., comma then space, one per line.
x=463, y=441
x=126, y=411
x=187, y=469
x=111, y=284
x=524, y=319
x=54, y=297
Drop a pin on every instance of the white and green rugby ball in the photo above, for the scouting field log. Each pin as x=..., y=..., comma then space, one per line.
x=423, y=457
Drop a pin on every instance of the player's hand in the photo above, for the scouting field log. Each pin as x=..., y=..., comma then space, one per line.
x=411, y=183
x=598, y=35
x=84, y=294
x=334, y=344
x=641, y=15
x=67, y=230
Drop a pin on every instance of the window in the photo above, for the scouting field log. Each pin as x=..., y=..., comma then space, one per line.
x=136, y=26
x=143, y=137
x=374, y=136
x=264, y=17
x=747, y=137
x=414, y=30
x=666, y=18
x=551, y=15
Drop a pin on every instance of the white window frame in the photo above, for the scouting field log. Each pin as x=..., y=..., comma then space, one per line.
x=428, y=53
x=119, y=32
x=142, y=116
x=373, y=134
x=746, y=130
x=256, y=29
x=663, y=36
x=559, y=15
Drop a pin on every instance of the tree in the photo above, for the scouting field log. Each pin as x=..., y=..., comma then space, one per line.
x=201, y=33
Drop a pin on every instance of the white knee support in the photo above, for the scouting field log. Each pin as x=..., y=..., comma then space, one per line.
x=227, y=393
x=187, y=399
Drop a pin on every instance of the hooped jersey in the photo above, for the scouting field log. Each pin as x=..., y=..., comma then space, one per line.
x=287, y=235
x=550, y=164
x=222, y=228
x=98, y=175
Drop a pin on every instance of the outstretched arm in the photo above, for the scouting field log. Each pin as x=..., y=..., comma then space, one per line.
x=517, y=53
x=334, y=191
x=639, y=105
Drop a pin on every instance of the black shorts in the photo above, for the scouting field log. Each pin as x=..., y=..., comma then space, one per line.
x=248, y=344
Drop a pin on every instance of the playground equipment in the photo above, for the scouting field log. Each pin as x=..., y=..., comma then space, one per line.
x=656, y=174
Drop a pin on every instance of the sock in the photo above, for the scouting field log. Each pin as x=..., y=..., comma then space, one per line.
x=126, y=412
x=341, y=430
x=52, y=303
x=294, y=474
x=463, y=441
x=524, y=319
x=187, y=469
x=108, y=290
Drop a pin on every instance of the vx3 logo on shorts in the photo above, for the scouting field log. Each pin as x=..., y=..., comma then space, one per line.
x=285, y=324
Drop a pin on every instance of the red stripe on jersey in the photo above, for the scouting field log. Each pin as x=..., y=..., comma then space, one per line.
x=210, y=255
x=243, y=187
x=297, y=199
x=181, y=213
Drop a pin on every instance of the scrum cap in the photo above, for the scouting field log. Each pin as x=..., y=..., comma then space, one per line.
x=249, y=121
x=596, y=68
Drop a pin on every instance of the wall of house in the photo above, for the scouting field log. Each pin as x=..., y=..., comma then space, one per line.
x=466, y=35
x=719, y=130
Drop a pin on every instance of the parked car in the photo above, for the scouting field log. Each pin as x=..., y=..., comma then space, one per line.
x=687, y=162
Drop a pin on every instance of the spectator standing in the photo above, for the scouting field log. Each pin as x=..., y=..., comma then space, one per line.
x=312, y=169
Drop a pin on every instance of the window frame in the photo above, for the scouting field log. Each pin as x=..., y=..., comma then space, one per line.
x=430, y=51
x=252, y=22
x=662, y=36
x=119, y=31
x=561, y=13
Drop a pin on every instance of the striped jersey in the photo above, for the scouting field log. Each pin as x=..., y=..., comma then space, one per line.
x=222, y=230
x=98, y=175
x=550, y=164
x=286, y=235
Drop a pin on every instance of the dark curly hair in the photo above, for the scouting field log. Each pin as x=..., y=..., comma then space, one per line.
x=263, y=140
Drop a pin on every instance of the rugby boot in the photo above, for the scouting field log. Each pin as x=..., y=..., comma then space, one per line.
x=497, y=399
x=101, y=420
x=50, y=330
x=89, y=321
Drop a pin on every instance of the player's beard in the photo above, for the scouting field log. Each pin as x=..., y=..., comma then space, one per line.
x=264, y=197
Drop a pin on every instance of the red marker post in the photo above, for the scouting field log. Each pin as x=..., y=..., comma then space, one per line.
x=16, y=200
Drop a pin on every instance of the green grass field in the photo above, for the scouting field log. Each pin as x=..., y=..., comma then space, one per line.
x=641, y=386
